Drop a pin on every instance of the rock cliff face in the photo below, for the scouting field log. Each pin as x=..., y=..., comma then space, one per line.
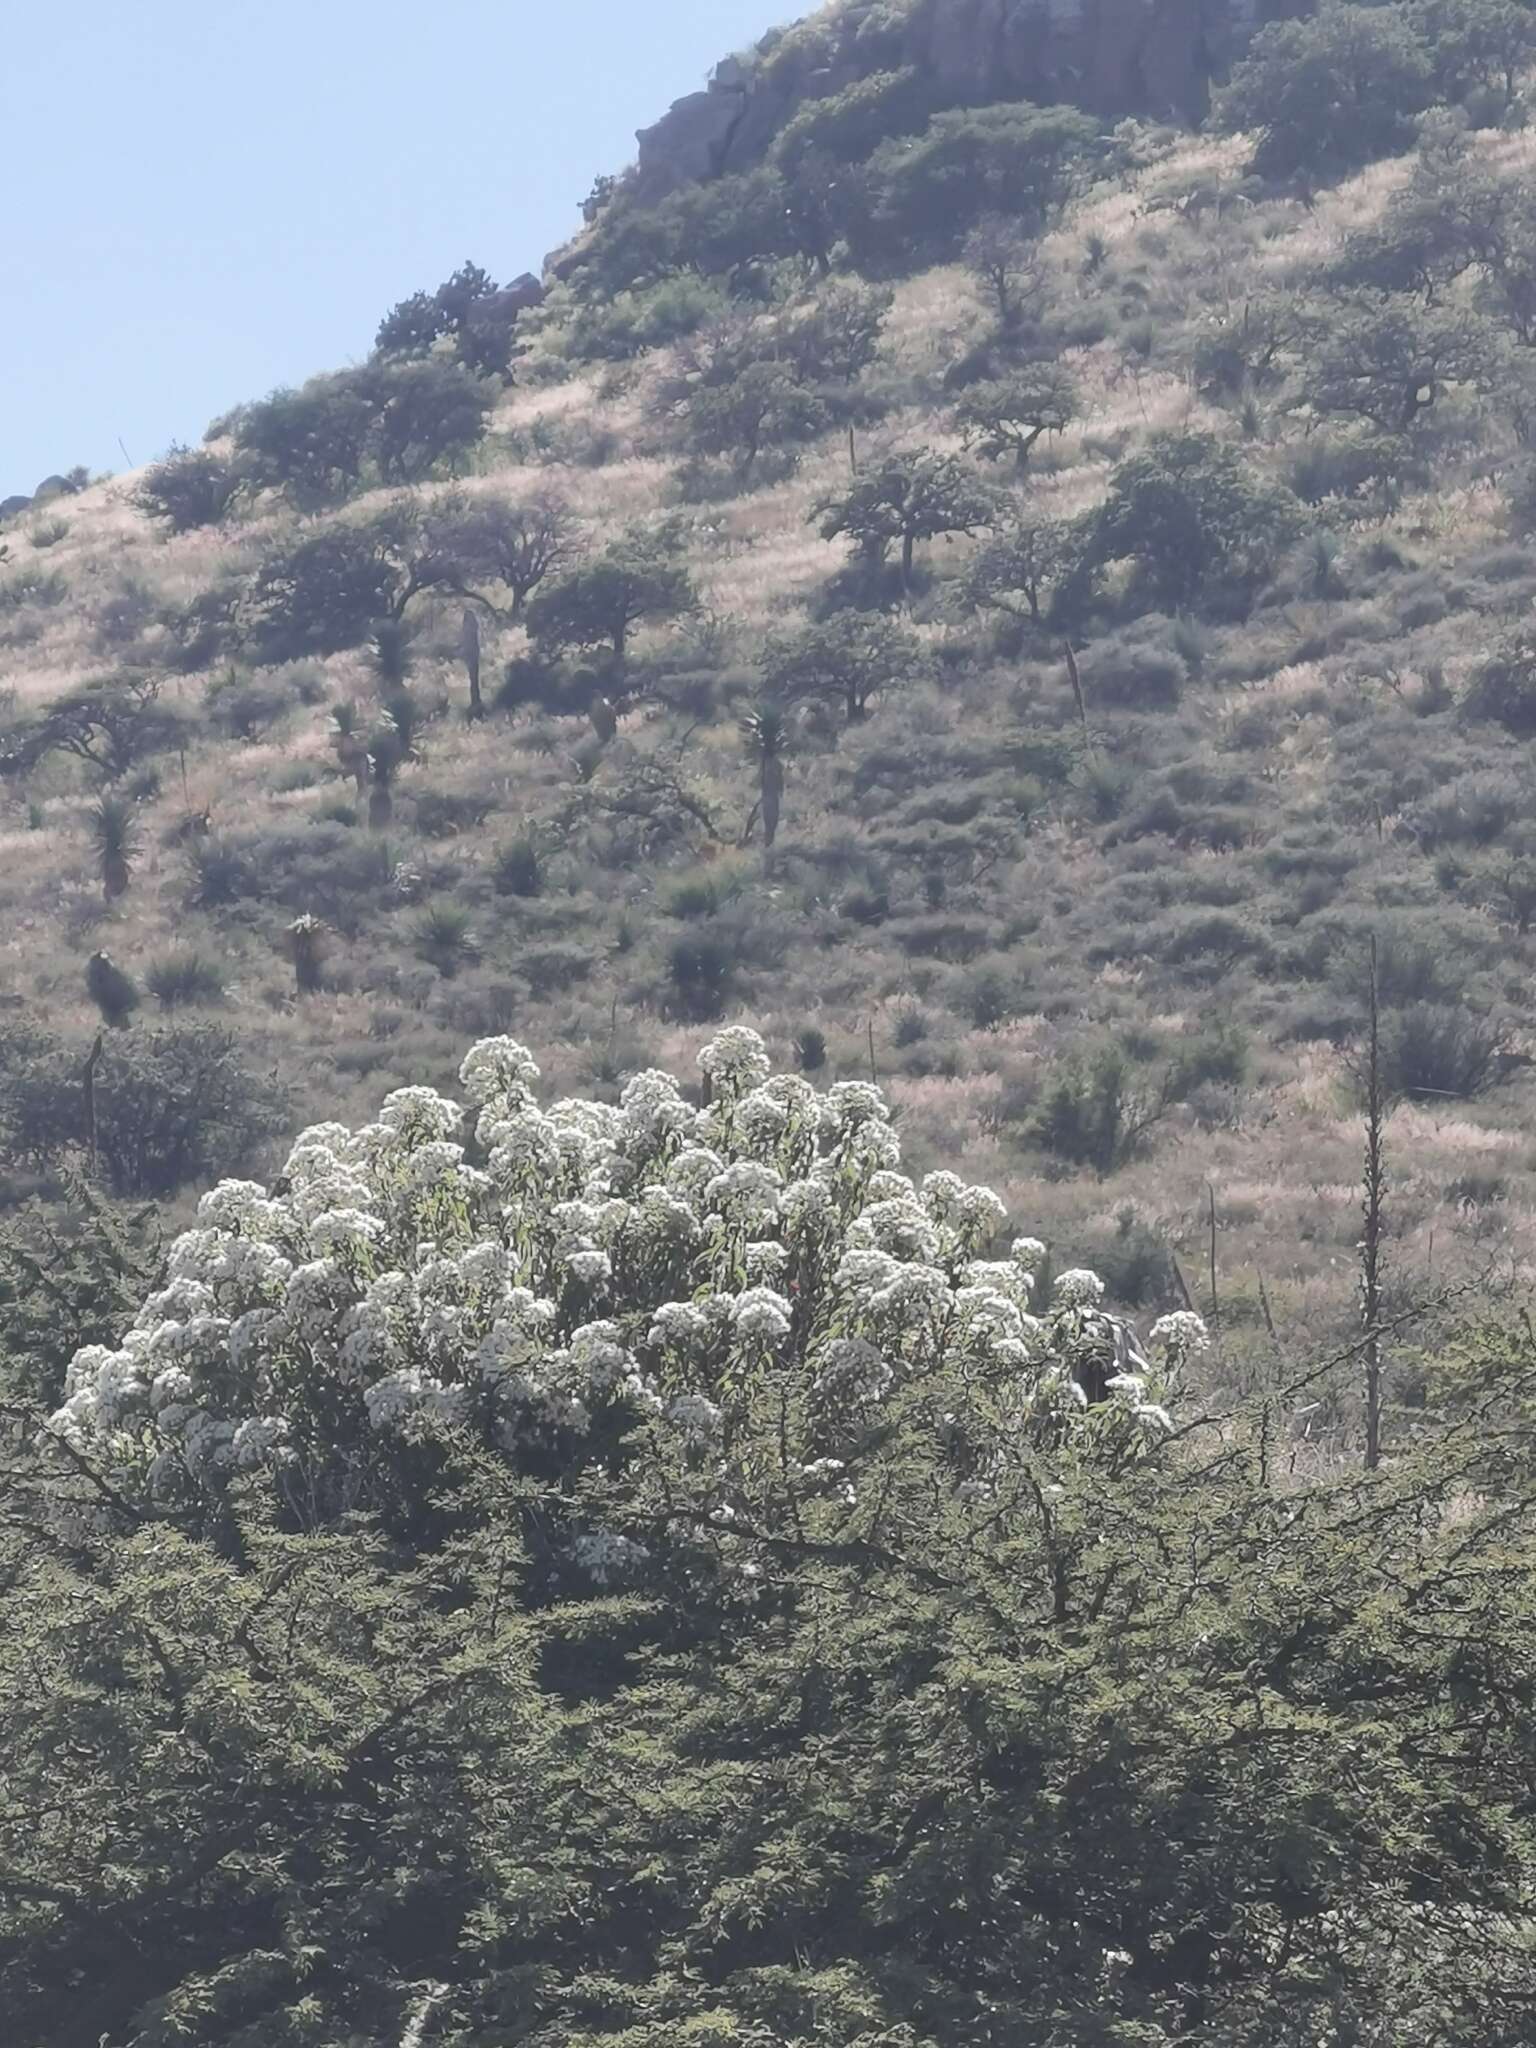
x=1111, y=57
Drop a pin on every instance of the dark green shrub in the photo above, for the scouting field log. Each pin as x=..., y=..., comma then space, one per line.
x=321, y=593
x=637, y=577
x=701, y=974
x=1442, y=1049
x=1197, y=523
x=190, y=488
x=171, y=1106
x=519, y=867
x=1329, y=92
x=312, y=442
x=1093, y=1113
x=1503, y=687
x=183, y=980
x=429, y=415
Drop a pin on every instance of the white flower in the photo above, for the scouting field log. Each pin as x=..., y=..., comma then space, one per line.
x=588, y=1265
x=679, y=1323
x=498, y=1070
x=762, y=1314
x=391, y=1400
x=344, y=1230
x=765, y=1262
x=694, y=1415
x=900, y=1227
x=1029, y=1253
x=747, y=1192
x=420, y=1114
x=852, y=1103
x=735, y=1061
x=1182, y=1334
x=1078, y=1288
x=852, y=1369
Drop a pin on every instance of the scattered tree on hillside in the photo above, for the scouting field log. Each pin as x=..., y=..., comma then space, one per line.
x=1018, y=570
x=1330, y=91
x=1008, y=416
x=108, y=725
x=1195, y=519
x=429, y=414
x=188, y=488
x=472, y=544
x=326, y=591
x=1387, y=360
x=1005, y=262
x=852, y=655
x=636, y=578
x=312, y=442
x=911, y=498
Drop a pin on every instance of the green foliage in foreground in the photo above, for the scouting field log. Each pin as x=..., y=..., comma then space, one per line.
x=1175, y=1753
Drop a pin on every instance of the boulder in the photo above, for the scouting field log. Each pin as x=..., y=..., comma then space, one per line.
x=11, y=507
x=691, y=143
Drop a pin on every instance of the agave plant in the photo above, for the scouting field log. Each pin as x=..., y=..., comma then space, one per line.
x=445, y=939
x=766, y=731
x=114, y=831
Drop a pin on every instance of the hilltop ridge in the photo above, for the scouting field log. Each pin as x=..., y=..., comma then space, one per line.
x=1111, y=57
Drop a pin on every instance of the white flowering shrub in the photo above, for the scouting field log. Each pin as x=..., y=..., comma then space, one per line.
x=562, y=1282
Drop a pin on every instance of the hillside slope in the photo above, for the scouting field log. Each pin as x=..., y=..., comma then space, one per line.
x=1106, y=950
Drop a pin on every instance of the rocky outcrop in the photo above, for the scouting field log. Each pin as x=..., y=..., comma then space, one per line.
x=1111, y=57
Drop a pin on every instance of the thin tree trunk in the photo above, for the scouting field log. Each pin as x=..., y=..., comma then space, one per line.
x=1370, y=1244
x=469, y=653
x=773, y=797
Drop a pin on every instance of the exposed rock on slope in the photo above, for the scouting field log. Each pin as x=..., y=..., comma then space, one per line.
x=1112, y=57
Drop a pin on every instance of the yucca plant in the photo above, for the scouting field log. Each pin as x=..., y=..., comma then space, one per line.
x=389, y=653
x=445, y=939
x=306, y=949
x=111, y=990
x=114, y=829
x=766, y=731
x=604, y=718
x=348, y=745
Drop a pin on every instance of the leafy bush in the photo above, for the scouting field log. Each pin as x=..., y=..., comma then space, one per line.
x=322, y=592
x=1094, y=1113
x=637, y=577
x=1329, y=92
x=1503, y=687
x=1442, y=1049
x=1195, y=520
x=171, y=1106
x=188, y=489
x=312, y=442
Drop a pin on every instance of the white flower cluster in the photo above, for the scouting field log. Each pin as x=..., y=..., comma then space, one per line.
x=588, y=1268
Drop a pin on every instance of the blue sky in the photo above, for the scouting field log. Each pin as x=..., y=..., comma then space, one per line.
x=208, y=198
